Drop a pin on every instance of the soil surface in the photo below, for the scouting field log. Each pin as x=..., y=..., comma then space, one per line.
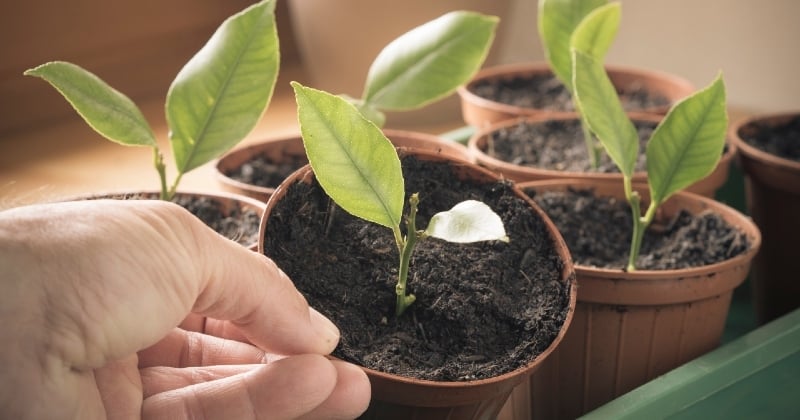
x=779, y=140
x=265, y=172
x=598, y=231
x=556, y=145
x=240, y=225
x=482, y=309
x=546, y=92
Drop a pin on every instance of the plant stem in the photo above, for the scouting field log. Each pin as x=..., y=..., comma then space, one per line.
x=404, y=300
x=638, y=227
x=591, y=147
x=158, y=161
x=174, y=188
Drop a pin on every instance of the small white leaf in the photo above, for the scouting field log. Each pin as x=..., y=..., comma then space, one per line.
x=467, y=221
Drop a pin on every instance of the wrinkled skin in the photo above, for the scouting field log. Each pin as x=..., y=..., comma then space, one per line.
x=135, y=309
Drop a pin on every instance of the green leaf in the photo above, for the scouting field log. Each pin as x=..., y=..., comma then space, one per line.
x=221, y=93
x=109, y=112
x=429, y=62
x=601, y=107
x=596, y=32
x=352, y=159
x=687, y=144
x=467, y=221
x=557, y=21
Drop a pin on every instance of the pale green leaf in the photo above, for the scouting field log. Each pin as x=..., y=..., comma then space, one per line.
x=352, y=159
x=109, y=112
x=596, y=32
x=468, y=221
x=429, y=62
x=599, y=102
x=221, y=93
x=687, y=145
x=557, y=21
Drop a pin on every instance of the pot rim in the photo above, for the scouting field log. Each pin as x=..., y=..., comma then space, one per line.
x=755, y=153
x=540, y=67
x=473, y=144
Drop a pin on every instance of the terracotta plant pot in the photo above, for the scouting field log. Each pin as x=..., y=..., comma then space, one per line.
x=290, y=150
x=401, y=397
x=630, y=327
x=480, y=112
x=478, y=146
x=227, y=203
x=772, y=191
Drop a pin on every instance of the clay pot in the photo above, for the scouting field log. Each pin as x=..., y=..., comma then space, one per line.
x=291, y=149
x=481, y=112
x=772, y=191
x=478, y=145
x=630, y=327
x=399, y=397
x=228, y=202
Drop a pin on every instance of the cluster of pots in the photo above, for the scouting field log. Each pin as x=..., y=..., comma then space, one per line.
x=623, y=329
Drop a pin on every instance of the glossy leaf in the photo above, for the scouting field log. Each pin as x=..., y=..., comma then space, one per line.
x=596, y=32
x=467, y=221
x=557, y=21
x=352, y=159
x=109, y=112
x=221, y=93
x=687, y=145
x=429, y=62
x=601, y=107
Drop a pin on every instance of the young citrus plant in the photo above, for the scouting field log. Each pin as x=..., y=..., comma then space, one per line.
x=360, y=170
x=213, y=103
x=684, y=148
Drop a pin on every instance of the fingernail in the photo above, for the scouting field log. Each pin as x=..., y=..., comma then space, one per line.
x=326, y=329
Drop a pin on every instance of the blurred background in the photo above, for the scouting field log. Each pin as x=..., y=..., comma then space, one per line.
x=138, y=46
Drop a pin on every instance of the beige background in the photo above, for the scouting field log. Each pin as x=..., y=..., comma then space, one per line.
x=756, y=44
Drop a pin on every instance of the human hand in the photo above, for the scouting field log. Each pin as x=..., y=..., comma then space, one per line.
x=91, y=293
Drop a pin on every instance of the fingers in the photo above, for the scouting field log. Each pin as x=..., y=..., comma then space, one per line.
x=158, y=379
x=305, y=386
x=130, y=271
x=182, y=348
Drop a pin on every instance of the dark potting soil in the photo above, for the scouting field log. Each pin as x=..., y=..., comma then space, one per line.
x=598, y=231
x=265, y=172
x=780, y=140
x=482, y=309
x=548, y=93
x=240, y=225
x=556, y=145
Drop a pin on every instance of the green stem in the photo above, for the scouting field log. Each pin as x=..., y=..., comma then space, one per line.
x=174, y=188
x=638, y=228
x=158, y=161
x=405, y=300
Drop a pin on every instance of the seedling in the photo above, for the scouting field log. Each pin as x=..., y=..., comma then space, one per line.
x=213, y=103
x=593, y=25
x=426, y=64
x=684, y=148
x=360, y=171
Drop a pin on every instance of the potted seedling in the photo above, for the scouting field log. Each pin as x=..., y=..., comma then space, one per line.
x=641, y=313
x=560, y=146
x=507, y=91
x=769, y=154
x=213, y=103
x=422, y=66
x=367, y=232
